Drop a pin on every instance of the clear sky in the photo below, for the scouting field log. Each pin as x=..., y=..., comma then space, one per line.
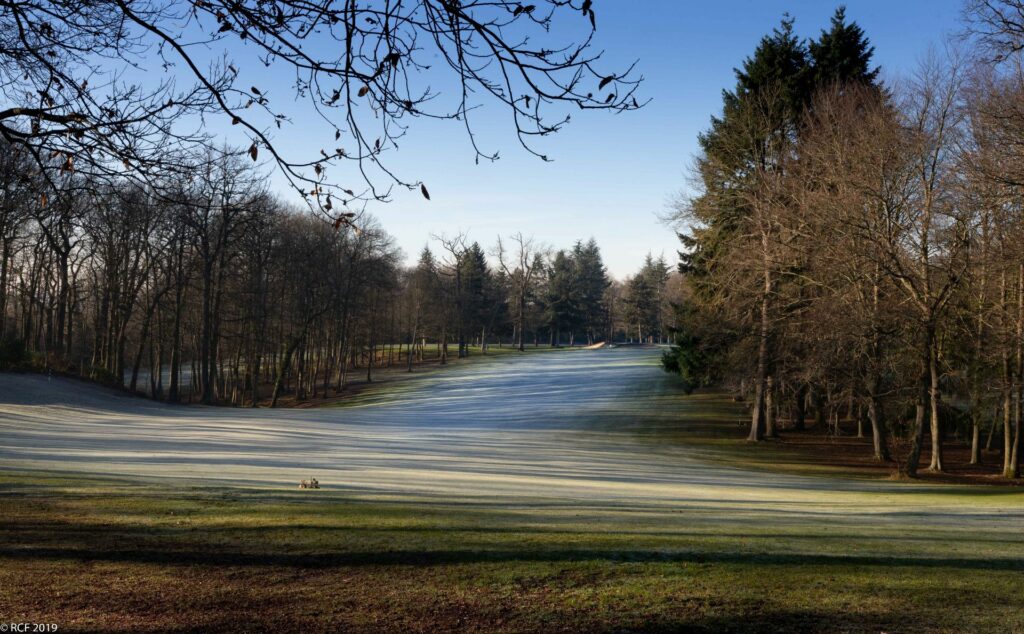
x=613, y=175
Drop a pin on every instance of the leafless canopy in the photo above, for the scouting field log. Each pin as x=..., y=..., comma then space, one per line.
x=128, y=86
x=998, y=25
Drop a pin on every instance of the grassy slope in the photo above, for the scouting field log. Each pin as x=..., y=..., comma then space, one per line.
x=387, y=382
x=109, y=554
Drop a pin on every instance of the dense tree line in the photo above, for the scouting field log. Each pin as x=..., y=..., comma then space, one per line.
x=209, y=288
x=855, y=248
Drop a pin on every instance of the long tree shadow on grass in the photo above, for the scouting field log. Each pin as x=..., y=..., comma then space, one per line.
x=115, y=544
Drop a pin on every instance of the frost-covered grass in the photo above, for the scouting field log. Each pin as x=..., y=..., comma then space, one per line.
x=543, y=493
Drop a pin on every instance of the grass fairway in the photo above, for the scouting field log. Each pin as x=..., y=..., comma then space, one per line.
x=104, y=555
x=572, y=492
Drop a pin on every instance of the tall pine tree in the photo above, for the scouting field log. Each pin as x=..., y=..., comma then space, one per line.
x=744, y=151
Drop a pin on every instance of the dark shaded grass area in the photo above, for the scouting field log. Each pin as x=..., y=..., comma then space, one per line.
x=106, y=555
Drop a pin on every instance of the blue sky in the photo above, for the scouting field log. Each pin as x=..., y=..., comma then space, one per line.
x=613, y=175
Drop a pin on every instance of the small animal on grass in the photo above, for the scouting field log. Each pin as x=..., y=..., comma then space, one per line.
x=312, y=483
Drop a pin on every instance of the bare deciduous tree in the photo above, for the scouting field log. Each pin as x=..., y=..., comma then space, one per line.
x=115, y=88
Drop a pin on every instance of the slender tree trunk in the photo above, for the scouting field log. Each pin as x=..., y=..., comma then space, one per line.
x=1014, y=470
x=1014, y=465
x=173, y=389
x=923, y=400
x=975, y=441
x=143, y=336
x=1007, y=431
x=914, y=458
x=1007, y=413
x=1008, y=378
x=769, y=407
x=156, y=375
x=206, y=335
x=977, y=386
x=878, y=434
x=412, y=345
x=254, y=371
x=5, y=258
x=522, y=319
x=934, y=402
x=283, y=369
x=758, y=413
x=992, y=430
x=62, y=299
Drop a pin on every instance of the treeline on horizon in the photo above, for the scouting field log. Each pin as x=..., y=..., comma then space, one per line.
x=210, y=288
x=854, y=249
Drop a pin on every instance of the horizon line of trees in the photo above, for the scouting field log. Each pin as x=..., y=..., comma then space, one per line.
x=212, y=289
x=855, y=248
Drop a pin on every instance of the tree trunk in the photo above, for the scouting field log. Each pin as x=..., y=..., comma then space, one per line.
x=1014, y=468
x=1007, y=414
x=522, y=319
x=934, y=400
x=914, y=458
x=923, y=399
x=283, y=369
x=143, y=335
x=769, y=407
x=412, y=345
x=992, y=430
x=173, y=390
x=758, y=413
x=975, y=440
x=878, y=435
